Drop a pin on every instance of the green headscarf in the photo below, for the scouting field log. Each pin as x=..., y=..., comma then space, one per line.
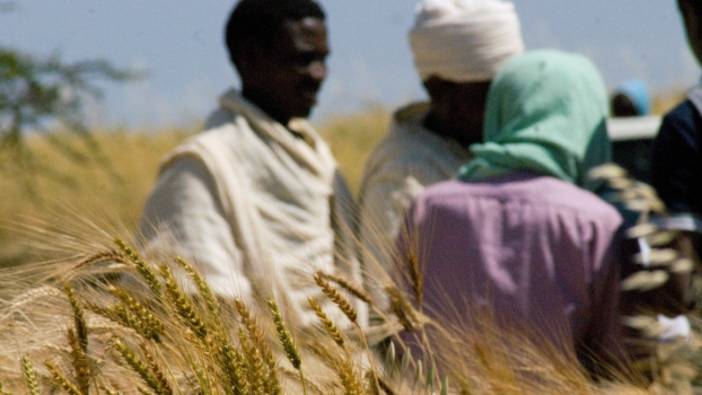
x=546, y=113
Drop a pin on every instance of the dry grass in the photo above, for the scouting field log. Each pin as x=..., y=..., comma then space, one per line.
x=155, y=338
x=134, y=157
x=97, y=336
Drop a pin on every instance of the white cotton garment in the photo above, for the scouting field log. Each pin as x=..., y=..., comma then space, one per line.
x=464, y=40
x=406, y=161
x=257, y=209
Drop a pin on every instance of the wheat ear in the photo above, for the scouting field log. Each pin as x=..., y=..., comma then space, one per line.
x=256, y=336
x=140, y=367
x=30, y=376
x=182, y=304
x=81, y=363
x=349, y=286
x=142, y=267
x=202, y=287
x=328, y=324
x=336, y=297
x=62, y=381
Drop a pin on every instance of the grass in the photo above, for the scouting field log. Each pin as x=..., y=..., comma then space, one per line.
x=99, y=335
x=118, y=193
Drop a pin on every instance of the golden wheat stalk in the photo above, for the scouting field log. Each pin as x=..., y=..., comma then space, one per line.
x=335, y=296
x=202, y=287
x=328, y=324
x=234, y=369
x=255, y=367
x=105, y=256
x=182, y=303
x=349, y=286
x=256, y=336
x=30, y=376
x=80, y=362
x=154, y=366
x=78, y=318
x=142, y=267
x=62, y=381
x=140, y=367
x=139, y=315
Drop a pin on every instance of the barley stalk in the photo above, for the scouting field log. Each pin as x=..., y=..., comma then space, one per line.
x=401, y=308
x=328, y=324
x=335, y=296
x=202, y=287
x=417, y=279
x=155, y=368
x=151, y=326
x=232, y=362
x=30, y=376
x=284, y=336
x=182, y=304
x=81, y=363
x=256, y=368
x=256, y=336
x=105, y=256
x=62, y=381
x=140, y=367
x=353, y=289
x=142, y=267
x=78, y=318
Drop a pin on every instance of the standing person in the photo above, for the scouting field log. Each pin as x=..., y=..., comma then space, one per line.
x=518, y=233
x=677, y=154
x=458, y=46
x=255, y=201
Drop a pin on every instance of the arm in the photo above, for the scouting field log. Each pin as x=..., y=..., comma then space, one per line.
x=183, y=216
x=385, y=198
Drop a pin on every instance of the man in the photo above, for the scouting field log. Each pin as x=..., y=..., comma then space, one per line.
x=254, y=201
x=458, y=46
x=677, y=157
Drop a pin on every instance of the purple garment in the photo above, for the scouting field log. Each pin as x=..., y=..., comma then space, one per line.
x=537, y=251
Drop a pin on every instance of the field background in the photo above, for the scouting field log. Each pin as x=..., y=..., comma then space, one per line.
x=61, y=187
x=85, y=188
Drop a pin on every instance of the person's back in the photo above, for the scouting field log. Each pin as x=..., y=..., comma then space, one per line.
x=458, y=46
x=537, y=250
x=518, y=232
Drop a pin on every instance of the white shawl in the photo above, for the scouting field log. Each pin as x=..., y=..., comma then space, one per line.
x=408, y=159
x=254, y=207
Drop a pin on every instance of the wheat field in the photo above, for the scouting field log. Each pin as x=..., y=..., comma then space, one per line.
x=68, y=326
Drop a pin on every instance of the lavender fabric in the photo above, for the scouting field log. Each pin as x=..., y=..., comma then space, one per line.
x=535, y=250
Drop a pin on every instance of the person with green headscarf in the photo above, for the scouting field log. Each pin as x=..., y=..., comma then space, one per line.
x=518, y=232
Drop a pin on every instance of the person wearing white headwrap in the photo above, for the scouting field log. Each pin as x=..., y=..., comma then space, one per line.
x=458, y=46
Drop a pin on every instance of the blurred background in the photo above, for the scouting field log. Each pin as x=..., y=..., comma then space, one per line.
x=180, y=48
x=99, y=160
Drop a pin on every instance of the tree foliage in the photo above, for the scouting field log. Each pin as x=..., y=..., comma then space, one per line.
x=42, y=95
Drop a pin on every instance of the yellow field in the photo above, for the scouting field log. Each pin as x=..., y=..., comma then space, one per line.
x=134, y=157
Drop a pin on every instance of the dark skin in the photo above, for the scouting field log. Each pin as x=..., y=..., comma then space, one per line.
x=283, y=79
x=693, y=26
x=457, y=109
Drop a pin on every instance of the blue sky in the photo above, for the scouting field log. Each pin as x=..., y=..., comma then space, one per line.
x=179, y=44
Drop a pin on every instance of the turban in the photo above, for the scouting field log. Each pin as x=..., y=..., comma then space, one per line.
x=464, y=40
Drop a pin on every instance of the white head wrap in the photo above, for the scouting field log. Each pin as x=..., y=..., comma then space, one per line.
x=464, y=40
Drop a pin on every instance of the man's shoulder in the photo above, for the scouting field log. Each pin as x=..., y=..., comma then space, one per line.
x=684, y=115
x=540, y=192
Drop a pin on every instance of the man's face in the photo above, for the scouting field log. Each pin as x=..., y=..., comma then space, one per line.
x=290, y=73
x=458, y=108
x=693, y=26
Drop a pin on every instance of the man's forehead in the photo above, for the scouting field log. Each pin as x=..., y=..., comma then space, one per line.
x=308, y=33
